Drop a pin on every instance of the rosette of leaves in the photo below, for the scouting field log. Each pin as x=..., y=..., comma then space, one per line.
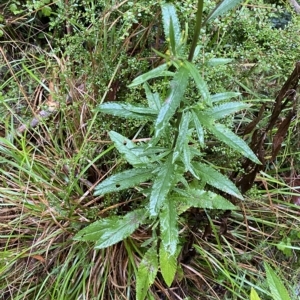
x=171, y=155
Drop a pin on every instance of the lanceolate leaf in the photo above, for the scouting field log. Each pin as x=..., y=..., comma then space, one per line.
x=182, y=134
x=125, y=146
x=161, y=186
x=168, y=265
x=254, y=295
x=277, y=288
x=213, y=62
x=224, y=96
x=222, y=8
x=226, y=136
x=186, y=159
x=109, y=231
x=94, y=231
x=153, y=98
x=216, y=179
x=168, y=226
x=171, y=24
x=154, y=154
x=232, y=140
x=177, y=89
x=146, y=273
x=157, y=72
x=144, y=151
x=199, y=129
x=172, y=37
x=204, y=119
x=201, y=84
x=120, y=230
x=223, y=110
x=123, y=180
x=207, y=199
x=125, y=110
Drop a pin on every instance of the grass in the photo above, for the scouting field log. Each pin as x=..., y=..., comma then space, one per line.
x=48, y=173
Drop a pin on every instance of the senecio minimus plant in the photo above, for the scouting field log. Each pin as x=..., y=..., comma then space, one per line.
x=163, y=167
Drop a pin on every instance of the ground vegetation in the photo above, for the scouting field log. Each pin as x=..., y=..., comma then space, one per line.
x=149, y=149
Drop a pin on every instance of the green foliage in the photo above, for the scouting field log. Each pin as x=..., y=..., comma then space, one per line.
x=168, y=227
x=162, y=185
x=171, y=154
x=254, y=295
x=123, y=180
x=171, y=26
x=288, y=242
x=275, y=284
x=202, y=199
x=222, y=8
x=176, y=120
x=109, y=231
x=168, y=265
x=147, y=271
x=172, y=102
x=128, y=111
x=157, y=72
x=200, y=83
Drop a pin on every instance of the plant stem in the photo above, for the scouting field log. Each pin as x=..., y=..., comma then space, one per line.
x=196, y=30
x=190, y=57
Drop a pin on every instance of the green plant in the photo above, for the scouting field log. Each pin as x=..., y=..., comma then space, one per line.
x=276, y=286
x=172, y=164
x=91, y=50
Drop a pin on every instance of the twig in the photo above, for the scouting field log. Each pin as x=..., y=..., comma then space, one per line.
x=296, y=6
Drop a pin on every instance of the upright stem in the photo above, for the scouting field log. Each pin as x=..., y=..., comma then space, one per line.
x=190, y=58
x=196, y=30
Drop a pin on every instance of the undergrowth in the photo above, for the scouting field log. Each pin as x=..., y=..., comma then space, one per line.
x=70, y=74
